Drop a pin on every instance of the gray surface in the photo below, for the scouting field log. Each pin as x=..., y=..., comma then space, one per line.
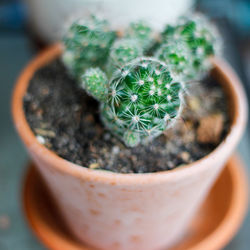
x=14, y=54
x=14, y=232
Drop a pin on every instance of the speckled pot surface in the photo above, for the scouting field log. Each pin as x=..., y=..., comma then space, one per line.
x=129, y=211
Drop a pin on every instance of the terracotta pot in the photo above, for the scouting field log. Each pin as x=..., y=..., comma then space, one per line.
x=130, y=211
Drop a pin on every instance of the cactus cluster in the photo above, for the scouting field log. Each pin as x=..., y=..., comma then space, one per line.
x=139, y=96
x=200, y=38
x=87, y=43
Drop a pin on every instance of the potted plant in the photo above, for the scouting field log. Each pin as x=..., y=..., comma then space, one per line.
x=125, y=173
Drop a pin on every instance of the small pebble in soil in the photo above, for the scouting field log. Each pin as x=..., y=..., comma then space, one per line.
x=40, y=139
x=210, y=128
x=66, y=120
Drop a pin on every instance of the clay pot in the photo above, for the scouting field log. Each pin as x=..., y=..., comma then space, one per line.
x=129, y=211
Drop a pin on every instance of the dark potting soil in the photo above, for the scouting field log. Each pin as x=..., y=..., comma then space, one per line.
x=66, y=121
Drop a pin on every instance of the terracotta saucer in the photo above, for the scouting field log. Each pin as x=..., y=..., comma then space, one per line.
x=214, y=226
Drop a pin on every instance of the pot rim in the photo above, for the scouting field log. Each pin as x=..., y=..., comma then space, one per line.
x=239, y=119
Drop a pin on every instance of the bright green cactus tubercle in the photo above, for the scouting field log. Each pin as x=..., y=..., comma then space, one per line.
x=131, y=138
x=142, y=32
x=177, y=57
x=144, y=100
x=95, y=83
x=201, y=39
x=123, y=51
x=87, y=44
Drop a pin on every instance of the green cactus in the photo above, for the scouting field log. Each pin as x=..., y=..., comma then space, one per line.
x=201, y=39
x=144, y=95
x=142, y=32
x=87, y=44
x=144, y=99
x=123, y=51
x=177, y=57
x=95, y=83
x=131, y=138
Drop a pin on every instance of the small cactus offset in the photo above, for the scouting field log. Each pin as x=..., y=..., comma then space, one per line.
x=177, y=57
x=201, y=39
x=142, y=32
x=95, y=83
x=87, y=44
x=144, y=99
x=123, y=51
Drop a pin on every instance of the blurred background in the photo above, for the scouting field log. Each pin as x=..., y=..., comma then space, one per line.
x=28, y=26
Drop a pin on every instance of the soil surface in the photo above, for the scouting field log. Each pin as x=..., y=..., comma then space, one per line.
x=67, y=122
